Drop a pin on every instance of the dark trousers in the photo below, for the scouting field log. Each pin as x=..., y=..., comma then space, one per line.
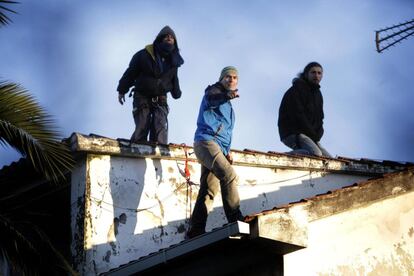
x=150, y=117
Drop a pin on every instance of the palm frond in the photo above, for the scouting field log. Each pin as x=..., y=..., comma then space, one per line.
x=29, y=251
x=25, y=126
x=4, y=19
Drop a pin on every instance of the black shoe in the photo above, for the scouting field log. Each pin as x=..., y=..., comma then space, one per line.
x=194, y=232
x=237, y=217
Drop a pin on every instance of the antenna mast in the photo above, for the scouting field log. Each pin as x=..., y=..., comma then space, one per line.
x=390, y=36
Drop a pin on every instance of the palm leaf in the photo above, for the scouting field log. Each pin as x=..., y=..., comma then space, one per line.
x=26, y=127
x=30, y=256
x=4, y=19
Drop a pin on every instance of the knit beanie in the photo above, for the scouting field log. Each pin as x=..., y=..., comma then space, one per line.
x=228, y=69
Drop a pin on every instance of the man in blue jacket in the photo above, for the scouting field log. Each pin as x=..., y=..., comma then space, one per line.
x=153, y=72
x=212, y=142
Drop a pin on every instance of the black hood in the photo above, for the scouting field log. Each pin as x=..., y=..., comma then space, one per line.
x=165, y=31
x=175, y=58
x=302, y=83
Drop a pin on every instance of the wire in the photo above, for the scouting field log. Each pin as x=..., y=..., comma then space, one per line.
x=100, y=201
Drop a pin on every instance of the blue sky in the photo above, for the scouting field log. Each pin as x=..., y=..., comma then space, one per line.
x=71, y=54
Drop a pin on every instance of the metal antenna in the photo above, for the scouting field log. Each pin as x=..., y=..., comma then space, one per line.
x=390, y=36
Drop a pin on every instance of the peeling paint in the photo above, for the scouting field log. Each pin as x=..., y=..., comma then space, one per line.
x=386, y=266
x=152, y=216
x=107, y=257
x=397, y=190
x=113, y=246
x=411, y=232
x=181, y=228
x=191, y=168
x=113, y=230
x=265, y=201
x=251, y=182
x=123, y=218
x=405, y=258
x=95, y=269
x=181, y=189
x=110, y=236
x=157, y=238
x=161, y=206
x=162, y=233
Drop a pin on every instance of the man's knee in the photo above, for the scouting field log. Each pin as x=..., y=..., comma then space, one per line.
x=303, y=137
x=317, y=152
x=230, y=178
x=224, y=171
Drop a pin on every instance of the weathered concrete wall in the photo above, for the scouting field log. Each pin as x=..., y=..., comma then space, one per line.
x=377, y=239
x=135, y=206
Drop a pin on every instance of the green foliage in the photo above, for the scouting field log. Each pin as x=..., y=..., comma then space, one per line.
x=25, y=126
x=29, y=251
x=4, y=19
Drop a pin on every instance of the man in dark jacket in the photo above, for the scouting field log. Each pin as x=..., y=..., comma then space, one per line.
x=301, y=113
x=212, y=142
x=153, y=72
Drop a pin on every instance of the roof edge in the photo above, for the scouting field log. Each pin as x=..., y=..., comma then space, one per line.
x=94, y=144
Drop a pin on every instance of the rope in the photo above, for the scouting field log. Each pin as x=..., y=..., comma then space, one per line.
x=187, y=176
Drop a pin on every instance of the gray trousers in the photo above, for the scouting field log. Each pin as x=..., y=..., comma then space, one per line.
x=302, y=144
x=216, y=171
x=150, y=118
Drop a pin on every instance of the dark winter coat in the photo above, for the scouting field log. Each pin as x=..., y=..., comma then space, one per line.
x=152, y=72
x=301, y=111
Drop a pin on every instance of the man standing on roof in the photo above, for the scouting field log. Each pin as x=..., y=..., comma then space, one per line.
x=212, y=142
x=153, y=72
x=301, y=113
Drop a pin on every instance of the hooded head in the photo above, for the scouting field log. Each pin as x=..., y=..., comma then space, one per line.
x=166, y=49
x=163, y=33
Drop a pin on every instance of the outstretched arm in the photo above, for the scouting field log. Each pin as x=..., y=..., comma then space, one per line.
x=216, y=96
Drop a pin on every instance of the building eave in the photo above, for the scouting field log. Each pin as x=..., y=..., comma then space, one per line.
x=92, y=144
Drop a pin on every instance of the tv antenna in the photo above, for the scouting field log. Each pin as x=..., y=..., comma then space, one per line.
x=387, y=37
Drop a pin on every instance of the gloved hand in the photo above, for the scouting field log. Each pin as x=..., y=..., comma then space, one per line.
x=121, y=98
x=231, y=94
x=176, y=94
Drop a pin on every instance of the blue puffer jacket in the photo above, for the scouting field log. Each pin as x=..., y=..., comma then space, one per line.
x=216, y=117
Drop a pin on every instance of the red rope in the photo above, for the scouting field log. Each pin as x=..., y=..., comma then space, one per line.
x=186, y=169
x=187, y=178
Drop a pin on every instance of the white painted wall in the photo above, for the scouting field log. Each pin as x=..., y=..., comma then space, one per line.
x=136, y=206
x=375, y=240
